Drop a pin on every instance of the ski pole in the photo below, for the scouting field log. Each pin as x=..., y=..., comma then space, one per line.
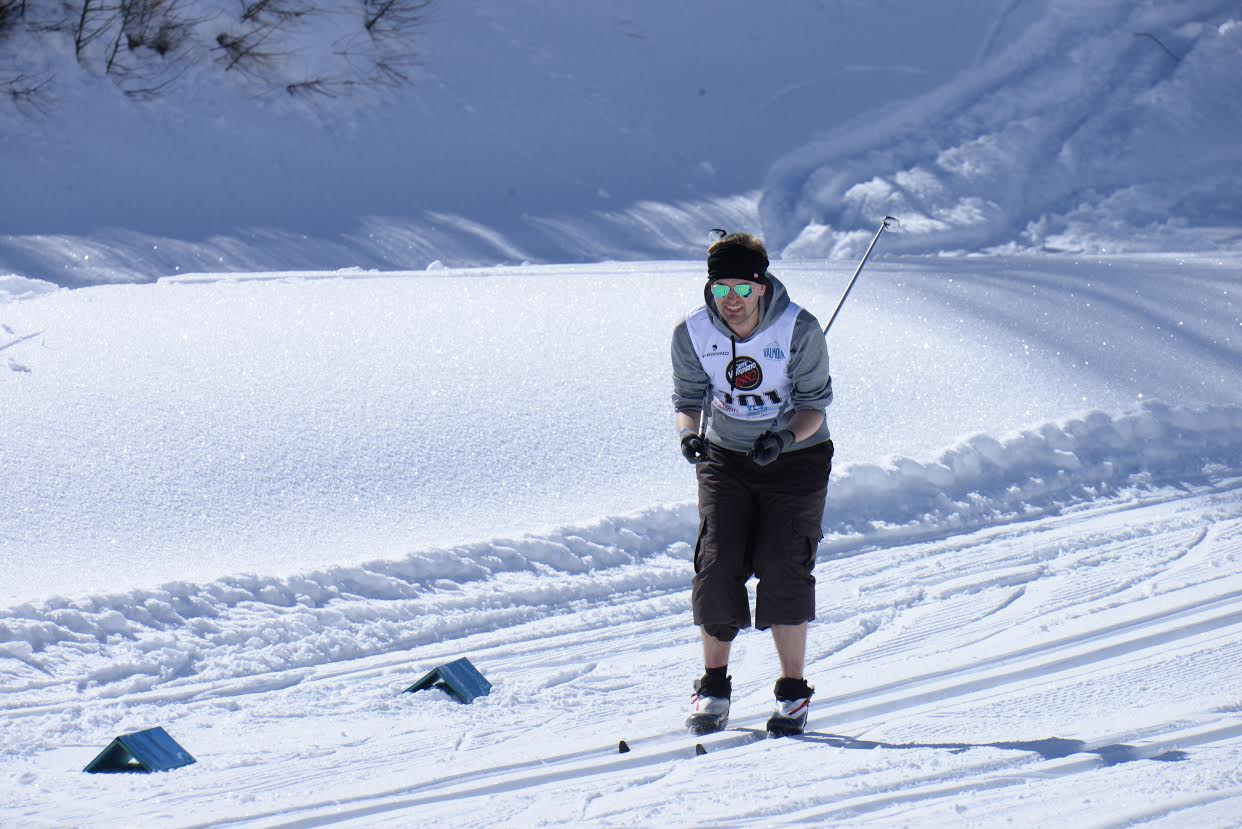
x=884, y=225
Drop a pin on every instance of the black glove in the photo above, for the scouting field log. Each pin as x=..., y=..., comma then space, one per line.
x=693, y=447
x=769, y=446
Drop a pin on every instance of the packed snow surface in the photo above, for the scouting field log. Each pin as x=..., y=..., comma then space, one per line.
x=253, y=509
x=273, y=423
x=305, y=452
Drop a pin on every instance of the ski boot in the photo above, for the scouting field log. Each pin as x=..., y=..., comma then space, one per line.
x=793, y=704
x=710, y=705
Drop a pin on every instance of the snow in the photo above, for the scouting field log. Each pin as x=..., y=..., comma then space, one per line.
x=303, y=397
x=584, y=133
x=1088, y=133
x=273, y=532
x=286, y=420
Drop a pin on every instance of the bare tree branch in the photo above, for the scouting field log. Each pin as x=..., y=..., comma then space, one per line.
x=10, y=12
x=245, y=51
x=95, y=19
x=28, y=91
x=145, y=46
x=269, y=11
x=318, y=86
x=394, y=18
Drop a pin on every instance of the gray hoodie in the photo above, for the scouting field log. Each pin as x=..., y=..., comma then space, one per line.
x=808, y=369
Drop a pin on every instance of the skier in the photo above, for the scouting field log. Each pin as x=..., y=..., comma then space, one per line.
x=761, y=363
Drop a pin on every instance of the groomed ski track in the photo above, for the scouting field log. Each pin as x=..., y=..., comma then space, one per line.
x=1000, y=666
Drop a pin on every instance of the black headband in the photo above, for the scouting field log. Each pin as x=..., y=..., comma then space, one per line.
x=733, y=260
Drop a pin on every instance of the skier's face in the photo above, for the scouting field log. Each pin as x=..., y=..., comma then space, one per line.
x=737, y=310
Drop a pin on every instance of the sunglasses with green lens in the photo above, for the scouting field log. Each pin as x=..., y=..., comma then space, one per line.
x=721, y=291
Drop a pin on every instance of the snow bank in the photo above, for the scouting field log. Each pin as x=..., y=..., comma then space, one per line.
x=14, y=287
x=986, y=479
x=247, y=625
x=644, y=230
x=1105, y=128
x=244, y=625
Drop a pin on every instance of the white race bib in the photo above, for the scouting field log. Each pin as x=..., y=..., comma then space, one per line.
x=756, y=384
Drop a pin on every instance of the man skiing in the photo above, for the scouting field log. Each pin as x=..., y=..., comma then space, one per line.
x=760, y=364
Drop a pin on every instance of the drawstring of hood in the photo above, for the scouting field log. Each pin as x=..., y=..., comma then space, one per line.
x=733, y=365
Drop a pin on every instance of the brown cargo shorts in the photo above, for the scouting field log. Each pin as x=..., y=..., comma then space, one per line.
x=763, y=521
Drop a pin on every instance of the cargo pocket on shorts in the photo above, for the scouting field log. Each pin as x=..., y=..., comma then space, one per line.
x=698, y=546
x=807, y=535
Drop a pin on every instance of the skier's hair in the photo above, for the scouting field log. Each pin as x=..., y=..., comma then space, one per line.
x=745, y=240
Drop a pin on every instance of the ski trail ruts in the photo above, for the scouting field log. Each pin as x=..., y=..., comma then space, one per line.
x=670, y=600
x=523, y=666
x=178, y=691
x=1217, y=615
x=1089, y=570
x=947, y=784
x=525, y=662
x=1219, y=544
x=993, y=32
x=582, y=766
x=853, y=554
x=1098, y=584
x=677, y=741
x=553, y=649
x=925, y=587
x=1189, y=557
x=610, y=638
x=21, y=339
x=673, y=741
x=579, y=765
x=501, y=639
x=1140, y=817
x=670, y=746
x=614, y=640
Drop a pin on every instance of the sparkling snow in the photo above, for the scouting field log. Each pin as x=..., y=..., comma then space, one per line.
x=286, y=451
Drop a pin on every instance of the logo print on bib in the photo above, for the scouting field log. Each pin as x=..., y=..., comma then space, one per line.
x=773, y=351
x=744, y=373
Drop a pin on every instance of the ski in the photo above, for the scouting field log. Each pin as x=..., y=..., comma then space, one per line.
x=723, y=740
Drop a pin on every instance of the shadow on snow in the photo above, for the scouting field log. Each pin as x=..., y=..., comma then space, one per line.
x=1050, y=748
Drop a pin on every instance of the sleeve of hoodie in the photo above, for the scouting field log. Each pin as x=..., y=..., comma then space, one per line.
x=808, y=365
x=690, y=381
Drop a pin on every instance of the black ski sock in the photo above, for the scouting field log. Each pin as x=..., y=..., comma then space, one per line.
x=788, y=689
x=715, y=683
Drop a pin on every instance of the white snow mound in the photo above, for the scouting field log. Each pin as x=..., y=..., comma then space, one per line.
x=1106, y=128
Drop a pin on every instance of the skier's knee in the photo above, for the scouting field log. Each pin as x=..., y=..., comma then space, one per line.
x=725, y=633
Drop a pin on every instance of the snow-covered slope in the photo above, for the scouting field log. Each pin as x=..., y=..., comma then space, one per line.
x=1104, y=128
x=1042, y=670
x=289, y=421
x=567, y=132
x=254, y=509
x=554, y=131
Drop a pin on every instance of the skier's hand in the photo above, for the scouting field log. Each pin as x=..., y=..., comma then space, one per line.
x=693, y=447
x=769, y=446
